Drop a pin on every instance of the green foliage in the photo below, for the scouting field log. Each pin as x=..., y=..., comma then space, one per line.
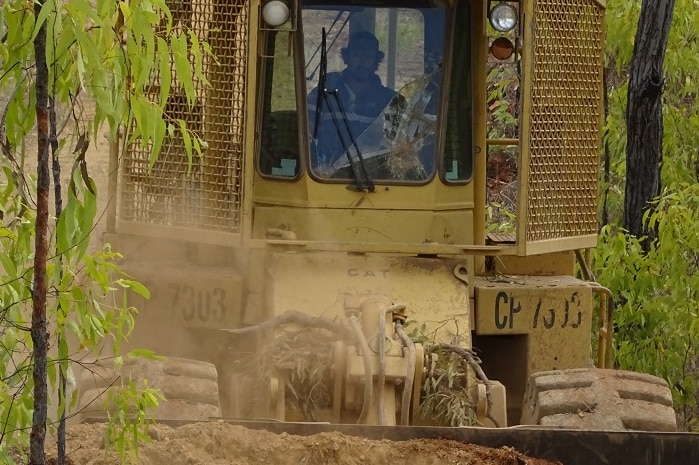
x=111, y=57
x=657, y=314
x=112, y=53
x=128, y=425
x=417, y=332
x=500, y=218
x=656, y=318
x=446, y=393
x=503, y=87
x=81, y=284
x=447, y=390
x=503, y=123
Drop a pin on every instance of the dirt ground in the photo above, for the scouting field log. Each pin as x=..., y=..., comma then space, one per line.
x=218, y=443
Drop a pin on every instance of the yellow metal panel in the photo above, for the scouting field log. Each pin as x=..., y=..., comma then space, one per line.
x=307, y=192
x=253, y=98
x=383, y=226
x=318, y=283
x=190, y=295
x=565, y=243
x=525, y=304
x=558, y=263
x=525, y=121
x=480, y=55
x=555, y=313
x=176, y=232
x=561, y=123
x=185, y=300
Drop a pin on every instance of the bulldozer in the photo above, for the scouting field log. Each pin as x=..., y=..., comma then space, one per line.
x=330, y=260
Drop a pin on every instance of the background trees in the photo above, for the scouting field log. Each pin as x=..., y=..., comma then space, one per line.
x=644, y=116
x=656, y=283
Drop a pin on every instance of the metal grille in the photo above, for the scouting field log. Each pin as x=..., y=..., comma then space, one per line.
x=207, y=193
x=565, y=119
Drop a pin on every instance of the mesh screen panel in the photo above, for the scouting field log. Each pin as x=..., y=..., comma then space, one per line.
x=565, y=119
x=207, y=193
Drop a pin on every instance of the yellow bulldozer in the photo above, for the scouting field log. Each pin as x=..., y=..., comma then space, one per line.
x=330, y=260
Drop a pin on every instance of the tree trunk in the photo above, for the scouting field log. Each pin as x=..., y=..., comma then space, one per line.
x=644, y=119
x=39, y=329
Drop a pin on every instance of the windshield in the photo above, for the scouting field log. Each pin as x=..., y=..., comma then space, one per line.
x=373, y=80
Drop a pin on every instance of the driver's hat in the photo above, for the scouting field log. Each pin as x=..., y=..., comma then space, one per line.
x=363, y=41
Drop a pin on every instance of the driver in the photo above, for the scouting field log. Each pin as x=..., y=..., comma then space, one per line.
x=354, y=98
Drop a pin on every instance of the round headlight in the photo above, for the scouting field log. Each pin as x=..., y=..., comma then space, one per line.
x=275, y=13
x=503, y=17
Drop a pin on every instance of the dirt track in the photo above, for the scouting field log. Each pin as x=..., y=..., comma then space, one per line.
x=221, y=443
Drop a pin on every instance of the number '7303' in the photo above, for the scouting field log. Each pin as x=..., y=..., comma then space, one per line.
x=197, y=304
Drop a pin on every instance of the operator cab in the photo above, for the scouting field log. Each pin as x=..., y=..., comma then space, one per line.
x=382, y=95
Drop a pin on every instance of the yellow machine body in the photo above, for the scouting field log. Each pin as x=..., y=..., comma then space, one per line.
x=252, y=230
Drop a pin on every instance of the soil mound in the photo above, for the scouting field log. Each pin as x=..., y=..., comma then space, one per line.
x=219, y=443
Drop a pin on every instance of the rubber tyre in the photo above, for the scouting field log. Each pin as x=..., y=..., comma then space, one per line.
x=597, y=399
x=190, y=387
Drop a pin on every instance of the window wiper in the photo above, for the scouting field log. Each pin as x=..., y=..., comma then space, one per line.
x=359, y=168
x=320, y=95
x=361, y=174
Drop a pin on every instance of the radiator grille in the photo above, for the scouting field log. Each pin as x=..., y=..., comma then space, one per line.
x=565, y=119
x=207, y=194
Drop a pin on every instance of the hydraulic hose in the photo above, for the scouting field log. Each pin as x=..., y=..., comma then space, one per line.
x=368, y=377
x=409, y=376
x=382, y=357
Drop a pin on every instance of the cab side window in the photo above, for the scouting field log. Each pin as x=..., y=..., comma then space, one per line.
x=457, y=161
x=279, y=129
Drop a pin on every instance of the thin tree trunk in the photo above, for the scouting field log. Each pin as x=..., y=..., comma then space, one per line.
x=39, y=329
x=644, y=119
x=58, y=207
